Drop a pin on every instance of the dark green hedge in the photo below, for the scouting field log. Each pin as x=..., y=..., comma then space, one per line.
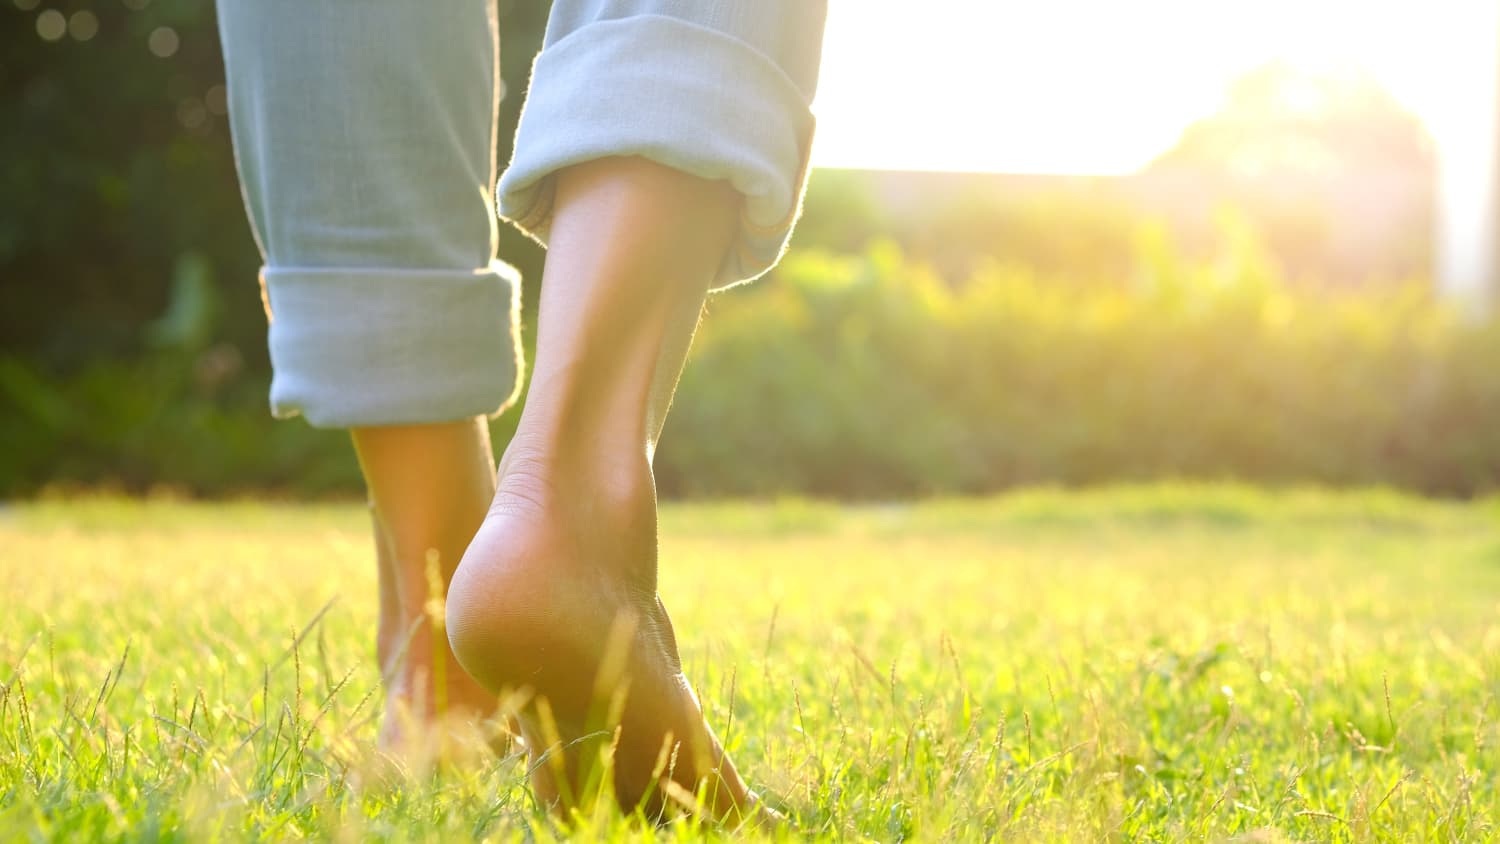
x=132, y=338
x=116, y=170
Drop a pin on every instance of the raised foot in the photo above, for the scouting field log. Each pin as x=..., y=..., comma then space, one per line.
x=556, y=602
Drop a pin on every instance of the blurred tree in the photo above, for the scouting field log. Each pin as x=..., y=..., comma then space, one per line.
x=132, y=337
x=115, y=165
x=1334, y=173
x=1280, y=126
x=1334, y=170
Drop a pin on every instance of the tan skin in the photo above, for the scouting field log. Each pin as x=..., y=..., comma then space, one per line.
x=429, y=487
x=556, y=596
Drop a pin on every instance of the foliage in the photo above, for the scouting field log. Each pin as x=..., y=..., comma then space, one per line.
x=867, y=376
x=114, y=162
x=1336, y=172
x=1151, y=664
x=1333, y=171
x=1075, y=229
x=1099, y=344
x=132, y=337
x=115, y=166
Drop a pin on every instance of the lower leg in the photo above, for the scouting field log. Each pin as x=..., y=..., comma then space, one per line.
x=429, y=487
x=565, y=565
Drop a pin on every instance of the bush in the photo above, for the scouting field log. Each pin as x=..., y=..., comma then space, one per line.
x=867, y=376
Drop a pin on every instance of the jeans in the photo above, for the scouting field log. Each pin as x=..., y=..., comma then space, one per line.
x=364, y=133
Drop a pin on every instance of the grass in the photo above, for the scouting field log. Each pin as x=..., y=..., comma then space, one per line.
x=1156, y=663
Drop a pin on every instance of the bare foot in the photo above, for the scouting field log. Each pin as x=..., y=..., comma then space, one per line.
x=557, y=598
x=434, y=710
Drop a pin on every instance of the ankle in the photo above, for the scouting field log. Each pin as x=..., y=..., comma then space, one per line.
x=565, y=538
x=559, y=476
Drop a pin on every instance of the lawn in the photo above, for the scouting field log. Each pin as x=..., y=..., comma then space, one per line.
x=1154, y=663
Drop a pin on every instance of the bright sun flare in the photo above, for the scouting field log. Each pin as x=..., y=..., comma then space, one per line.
x=1102, y=86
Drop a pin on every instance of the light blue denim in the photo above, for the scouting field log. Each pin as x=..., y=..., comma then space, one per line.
x=364, y=131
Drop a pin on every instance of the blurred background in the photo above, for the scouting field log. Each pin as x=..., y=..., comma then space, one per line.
x=1062, y=243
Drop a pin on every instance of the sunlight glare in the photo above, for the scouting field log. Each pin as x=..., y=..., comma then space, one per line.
x=1095, y=86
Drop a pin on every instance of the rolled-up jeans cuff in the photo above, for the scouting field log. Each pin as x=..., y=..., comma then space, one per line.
x=683, y=95
x=363, y=347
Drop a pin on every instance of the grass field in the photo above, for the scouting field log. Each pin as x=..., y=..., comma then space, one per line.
x=1155, y=663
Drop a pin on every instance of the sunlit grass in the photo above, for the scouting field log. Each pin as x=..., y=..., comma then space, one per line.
x=1163, y=663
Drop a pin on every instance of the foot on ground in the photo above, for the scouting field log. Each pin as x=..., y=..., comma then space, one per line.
x=422, y=729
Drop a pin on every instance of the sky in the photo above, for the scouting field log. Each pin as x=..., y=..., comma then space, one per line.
x=1103, y=86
